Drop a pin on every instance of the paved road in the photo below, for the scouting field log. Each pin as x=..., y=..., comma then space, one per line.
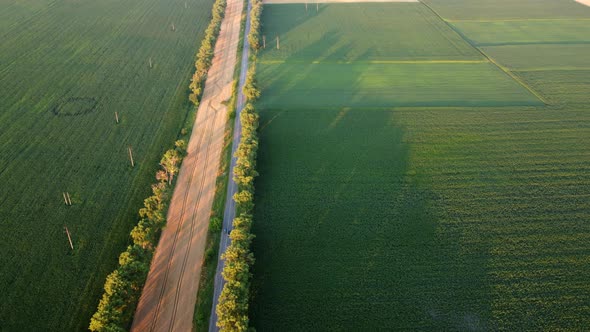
x=230, y=206
x=168, y=299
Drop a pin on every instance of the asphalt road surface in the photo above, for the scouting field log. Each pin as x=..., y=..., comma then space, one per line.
x=229, y=212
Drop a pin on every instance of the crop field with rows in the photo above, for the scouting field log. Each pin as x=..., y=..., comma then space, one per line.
x=374, y=212
x=67, y=67
x=360, y=32
x=516, y=32
x=541, y=57
x=298, y=85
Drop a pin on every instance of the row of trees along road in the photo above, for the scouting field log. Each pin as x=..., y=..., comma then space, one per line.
x=123, y=286
x=206, y=51
x=232, y=308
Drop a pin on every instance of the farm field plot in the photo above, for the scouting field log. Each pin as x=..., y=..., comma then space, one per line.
x=67, y=67
x=371, y=213
x=561, y=32
x=14, y=12
x=508, y=9
x=309, y=86
x=360, y=32
x=422, y=219
x=569, y=87
x=541, y=57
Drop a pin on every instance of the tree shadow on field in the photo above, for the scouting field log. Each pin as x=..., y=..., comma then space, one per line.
x=347, y=232
x=296, y=84
x=275, y=23
x=347, y=235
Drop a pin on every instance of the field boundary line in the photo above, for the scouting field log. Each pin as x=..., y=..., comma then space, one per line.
x=502, y=68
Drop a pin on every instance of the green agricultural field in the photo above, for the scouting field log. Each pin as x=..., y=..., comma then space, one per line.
x=376, y=211
x=524, y=32
x=67, y=67
x=541, y=57
x=569, y=87
x=478, y=10
x=313, y=86
x=360, y=32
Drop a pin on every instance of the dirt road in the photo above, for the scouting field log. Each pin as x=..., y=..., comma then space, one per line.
x=229, y=211
x=168, y=299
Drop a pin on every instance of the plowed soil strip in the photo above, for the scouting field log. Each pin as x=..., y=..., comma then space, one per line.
x=168, y=299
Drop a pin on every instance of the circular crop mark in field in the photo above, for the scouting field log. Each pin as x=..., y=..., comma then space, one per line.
x=75, y=106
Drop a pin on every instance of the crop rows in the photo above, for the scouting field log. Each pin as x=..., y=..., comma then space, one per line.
x=67, y=68
x=485, y=10
x=523, y=32
x=322, y=85
x=432, y=218
x=359, y=32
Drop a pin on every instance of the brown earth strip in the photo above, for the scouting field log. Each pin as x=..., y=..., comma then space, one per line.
x=168, y=298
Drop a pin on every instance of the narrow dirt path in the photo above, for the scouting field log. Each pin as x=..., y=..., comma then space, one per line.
x=168, y=299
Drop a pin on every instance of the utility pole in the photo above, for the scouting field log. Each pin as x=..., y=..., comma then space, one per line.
x=69, y=237
x=306, y=6
x=117, y=117
x=278, y=43
x=150, y=62
x=131, y=156
x=263, y=41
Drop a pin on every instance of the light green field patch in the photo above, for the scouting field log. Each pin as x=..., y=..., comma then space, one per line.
x=298, y=85
x=511, y=32
x=508, y=9
x=541, y=57
x=360, y=32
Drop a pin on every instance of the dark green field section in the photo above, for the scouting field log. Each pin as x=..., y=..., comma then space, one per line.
x=523, y=32
x=422, y=219
x=508, y=9
x=358, y=32
x=66, y=68
x=541, y=57
x=314, y=86
x=423, y=191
